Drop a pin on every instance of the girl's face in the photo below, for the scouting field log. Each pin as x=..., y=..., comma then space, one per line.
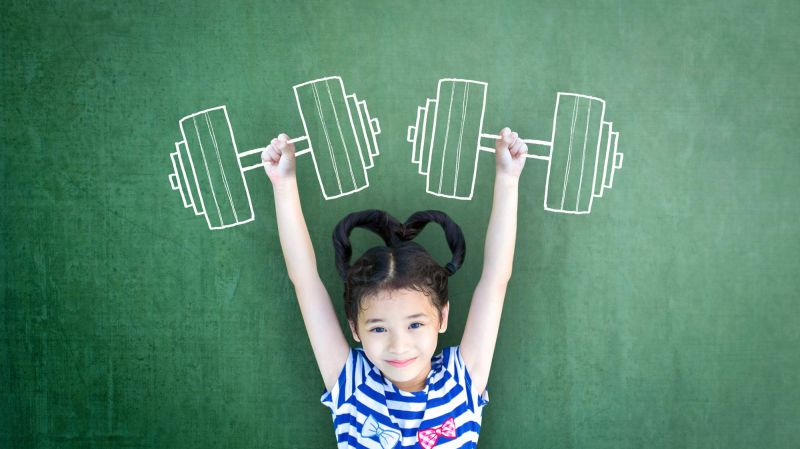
x=400, y=326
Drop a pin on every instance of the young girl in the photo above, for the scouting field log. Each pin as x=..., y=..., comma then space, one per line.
x=394, y=392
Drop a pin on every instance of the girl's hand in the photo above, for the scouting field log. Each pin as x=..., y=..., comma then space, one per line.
x=510, y=153
x=279, y=159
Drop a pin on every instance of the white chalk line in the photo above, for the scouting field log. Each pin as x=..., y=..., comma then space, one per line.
x=221, y=168
x=363, y=132
x=341, y=137
x=461, y=136
x=583, y=156
x=205, y=163
x=185, y=179
x=569, y=151
x=327, y=137
x=261, y=150
x=423, y=144
x=446, y=135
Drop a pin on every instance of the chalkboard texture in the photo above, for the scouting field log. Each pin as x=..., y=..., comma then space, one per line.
x=665, y=318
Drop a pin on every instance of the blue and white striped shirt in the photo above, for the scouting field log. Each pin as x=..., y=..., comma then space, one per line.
x=370, y=412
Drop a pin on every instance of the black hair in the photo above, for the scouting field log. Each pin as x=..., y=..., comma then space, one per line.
x=399, y=265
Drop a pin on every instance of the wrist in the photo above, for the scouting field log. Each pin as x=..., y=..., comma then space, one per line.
x=506, y=180
x=285, y=183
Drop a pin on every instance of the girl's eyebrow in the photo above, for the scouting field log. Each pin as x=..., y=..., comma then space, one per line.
x=378, y=320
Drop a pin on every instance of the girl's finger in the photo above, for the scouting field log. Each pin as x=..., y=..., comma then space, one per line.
x=266, y=156
x=509, y=138
x=269, y=155
x=517, y=147
x=505, y=135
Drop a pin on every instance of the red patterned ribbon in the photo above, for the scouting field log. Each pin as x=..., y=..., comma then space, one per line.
x=427, y=438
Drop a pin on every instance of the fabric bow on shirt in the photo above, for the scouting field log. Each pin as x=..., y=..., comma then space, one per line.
x=427, y=438
x=387, y=436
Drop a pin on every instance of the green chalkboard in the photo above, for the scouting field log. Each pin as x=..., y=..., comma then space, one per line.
x=667, y=317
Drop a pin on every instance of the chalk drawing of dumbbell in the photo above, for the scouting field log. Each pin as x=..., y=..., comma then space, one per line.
x=208, y=169
x=582, y=153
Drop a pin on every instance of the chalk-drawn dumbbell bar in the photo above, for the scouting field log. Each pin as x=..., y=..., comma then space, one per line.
x=208, y=169
x=581, y=154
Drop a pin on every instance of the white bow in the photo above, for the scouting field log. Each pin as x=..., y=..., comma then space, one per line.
x=387, y=436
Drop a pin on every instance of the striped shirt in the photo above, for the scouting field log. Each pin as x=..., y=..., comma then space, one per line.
x=370, y=412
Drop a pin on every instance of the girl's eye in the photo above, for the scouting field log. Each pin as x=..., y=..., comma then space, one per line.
x=380, y=330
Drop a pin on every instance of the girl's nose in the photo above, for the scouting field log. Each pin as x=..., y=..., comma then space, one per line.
x=398, y=343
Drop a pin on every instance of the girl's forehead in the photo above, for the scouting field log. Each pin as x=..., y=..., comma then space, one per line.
x=395, y=302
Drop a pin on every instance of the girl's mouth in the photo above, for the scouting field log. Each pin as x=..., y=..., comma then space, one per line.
x=400, y=364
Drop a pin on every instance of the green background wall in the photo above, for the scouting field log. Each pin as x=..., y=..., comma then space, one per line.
x=667, y=318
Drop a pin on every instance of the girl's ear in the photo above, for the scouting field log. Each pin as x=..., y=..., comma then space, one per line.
x=445, y=313
x=353, y=330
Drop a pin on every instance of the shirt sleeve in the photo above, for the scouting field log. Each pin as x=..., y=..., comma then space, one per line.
x=352, y=375
x=477, y=399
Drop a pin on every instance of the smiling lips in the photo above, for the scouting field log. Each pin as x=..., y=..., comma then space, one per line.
x=400, y=364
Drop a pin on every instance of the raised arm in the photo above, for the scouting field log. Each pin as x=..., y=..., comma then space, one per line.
x=483, y=321
x=327, y=339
